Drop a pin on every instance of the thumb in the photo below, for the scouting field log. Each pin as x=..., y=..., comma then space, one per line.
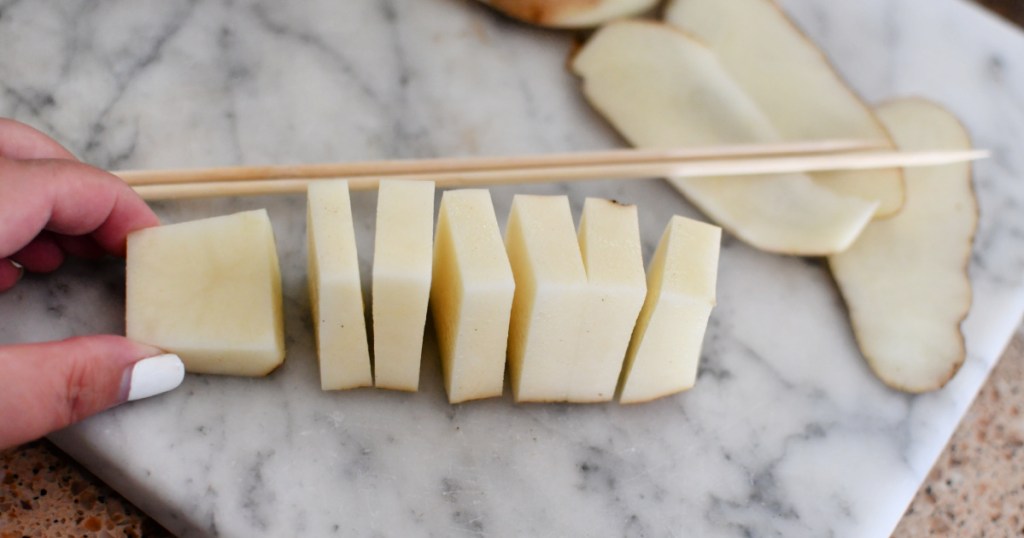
x=45, y=387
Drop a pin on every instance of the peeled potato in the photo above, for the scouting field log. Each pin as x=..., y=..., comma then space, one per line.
x=402, y=265
x=471, y=295
x=551, y=295
x=792, y=82
x=662, y=89
x=609, y=237
x=335, y=293
x=905, y=279
x=210, y=291
x=569, y=13
x=665, y=350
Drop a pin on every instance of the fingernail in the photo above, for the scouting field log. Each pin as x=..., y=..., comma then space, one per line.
x=9, y=278
x=155, y=375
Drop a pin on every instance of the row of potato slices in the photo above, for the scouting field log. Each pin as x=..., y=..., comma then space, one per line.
x=573, y=313
x=565, y=306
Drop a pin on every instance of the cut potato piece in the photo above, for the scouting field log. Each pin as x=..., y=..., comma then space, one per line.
x=210, y=291
x=471, y=296
x=792, y=82
x=550, y=296
x=609, y=237
x=402, y=261
x=661, y=89
x=665, y=351
x=905, y=280
x=335, y=291
x=569, y=13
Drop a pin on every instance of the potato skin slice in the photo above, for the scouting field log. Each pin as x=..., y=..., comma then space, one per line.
x=794, y=83
x=569, y=13
x=661, y=88
x=905, y=280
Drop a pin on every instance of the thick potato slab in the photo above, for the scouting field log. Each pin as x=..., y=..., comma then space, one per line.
x=402, y=265
x=665, y=351
x=550, y=298
x=471, y=295
x=609, y=236
x=335, y=290
x=210, y=291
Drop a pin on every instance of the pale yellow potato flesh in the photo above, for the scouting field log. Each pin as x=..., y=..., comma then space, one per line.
x=210, y=291
x=793, y=83
x=662, y=89
x=402, y=265
x=471, y=295
x=664, y=353
x=551, y=294
x=335, y=291
x=905, y=280
x=569, y=13
x=609, y=238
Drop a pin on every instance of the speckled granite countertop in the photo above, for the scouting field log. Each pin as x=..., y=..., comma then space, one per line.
x=977, y=486
x=975, y=489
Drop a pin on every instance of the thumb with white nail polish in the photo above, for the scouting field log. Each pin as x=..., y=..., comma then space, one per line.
x=152, y=376
x=51, y=385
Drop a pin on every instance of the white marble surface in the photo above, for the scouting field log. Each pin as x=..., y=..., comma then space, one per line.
x=786, y=434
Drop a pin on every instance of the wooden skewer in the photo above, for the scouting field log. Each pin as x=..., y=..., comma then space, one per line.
x=425, y=166
x=686, y=167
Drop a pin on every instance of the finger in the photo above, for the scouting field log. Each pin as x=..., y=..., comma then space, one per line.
x=41, y=255
x=10, y=274
x=19, y=141
x=80, y=246
x=49, y=386
x=69, y=198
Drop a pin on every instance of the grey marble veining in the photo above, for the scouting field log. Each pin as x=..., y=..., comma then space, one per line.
x=787, y=433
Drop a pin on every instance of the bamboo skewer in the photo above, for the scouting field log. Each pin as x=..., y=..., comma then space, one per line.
x=425, y=166
x=253, y=181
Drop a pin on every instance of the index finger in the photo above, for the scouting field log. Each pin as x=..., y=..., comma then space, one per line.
x=19, y=141
x=67, y=197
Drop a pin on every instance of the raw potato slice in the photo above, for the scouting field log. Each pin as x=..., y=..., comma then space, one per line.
x=792, y=82
x=210, y=291
x=569, y=13
x=402, y=261
x=335, y=291
x=665, y=350
x=550, y=296
x=609, y=237
x=660, y=88
x=905, y=280
x=471, y=295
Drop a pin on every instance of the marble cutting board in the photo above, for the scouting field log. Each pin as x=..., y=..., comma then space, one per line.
x=787, y=432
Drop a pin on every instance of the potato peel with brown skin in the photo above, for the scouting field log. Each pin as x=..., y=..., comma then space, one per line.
x=569, y=13
x=905, y=281
x=660, y=88
x=793, y=83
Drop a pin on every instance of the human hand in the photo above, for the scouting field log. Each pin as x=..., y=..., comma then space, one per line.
x=51, y=206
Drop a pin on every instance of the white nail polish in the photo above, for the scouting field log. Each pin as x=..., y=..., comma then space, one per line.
x=19, y=267
x=155, y=375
